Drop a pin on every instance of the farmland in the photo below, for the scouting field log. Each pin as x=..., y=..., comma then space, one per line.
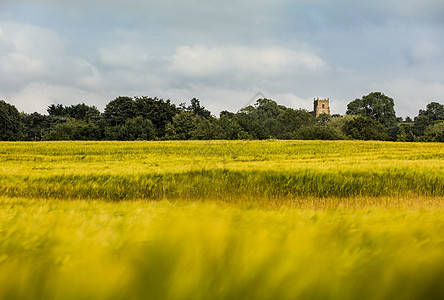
x=221, y=220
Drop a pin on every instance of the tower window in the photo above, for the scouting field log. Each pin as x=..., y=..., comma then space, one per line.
x=323, y=105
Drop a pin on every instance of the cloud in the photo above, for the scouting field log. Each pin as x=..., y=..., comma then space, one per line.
x=35, y=54
x=124, y=57
x=423, y=51
x=411, y=95
x=222, y=52
x=204, y=61
x=38, y=96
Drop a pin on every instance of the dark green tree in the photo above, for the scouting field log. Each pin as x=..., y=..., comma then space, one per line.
x=376, y=106
x=11, y=126
x=119, y=110
x=365, y=128
x=434, y=132
x=134, y=129
x=231, y=128
x=80, y=112
x=319, y=132
x=57, y=110
x=291, y=120
x=261, y=121
x=250, y=123
x=74, y=130
x=208, y=129
x=433, y=112
x=405, y=133
x=37, y=126
x=84, y=112
x=182, y=127
x=197, y=109
x=158, y=111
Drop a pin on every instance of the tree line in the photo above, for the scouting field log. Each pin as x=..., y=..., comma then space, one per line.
x=143, y=118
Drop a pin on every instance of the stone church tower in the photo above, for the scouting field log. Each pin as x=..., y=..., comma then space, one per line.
x=321, y=106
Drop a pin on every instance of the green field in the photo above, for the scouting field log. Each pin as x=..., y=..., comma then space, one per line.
x=222, y=220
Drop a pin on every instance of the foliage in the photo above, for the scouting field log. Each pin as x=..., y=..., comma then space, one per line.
x=11, y=126
x=405, y=133
x=80, y=112
x=134, y=129
x=364, y=128
x=37, y=126
x=319, y=132
x=118, y=111
x=197, y=109
x=182, y=126
x=434, y=132
x=158, y=111
x=433, y=112
x=291, y=121
x=376, y=106
x=144, y=118
x=73, y=130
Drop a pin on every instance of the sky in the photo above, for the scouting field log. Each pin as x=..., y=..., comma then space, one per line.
x=221, y=52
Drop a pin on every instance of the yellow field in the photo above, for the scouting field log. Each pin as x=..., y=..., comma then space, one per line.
x=221, y=220
x=220, y=170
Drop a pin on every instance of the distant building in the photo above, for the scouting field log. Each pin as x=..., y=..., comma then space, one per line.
x=321, y=106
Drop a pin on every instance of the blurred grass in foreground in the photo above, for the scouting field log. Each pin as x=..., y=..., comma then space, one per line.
x=194, y=250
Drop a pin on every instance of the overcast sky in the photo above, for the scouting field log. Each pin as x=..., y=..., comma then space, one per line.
x=221, y=52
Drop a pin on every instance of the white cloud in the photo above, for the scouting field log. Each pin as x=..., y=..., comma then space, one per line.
x=411, y=95
x=21, y=64
x=38, y=96
x=203, y=61
x=34, y=62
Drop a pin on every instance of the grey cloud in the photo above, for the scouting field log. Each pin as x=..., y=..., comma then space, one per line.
x=220, y=51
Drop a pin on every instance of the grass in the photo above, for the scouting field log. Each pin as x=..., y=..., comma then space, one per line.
x=221, y=220
x=218, y=170
x=160, y=250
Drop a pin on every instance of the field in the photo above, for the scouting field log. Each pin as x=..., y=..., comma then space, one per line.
x=221, y=220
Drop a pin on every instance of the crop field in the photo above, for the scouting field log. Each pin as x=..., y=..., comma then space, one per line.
x=222, y=220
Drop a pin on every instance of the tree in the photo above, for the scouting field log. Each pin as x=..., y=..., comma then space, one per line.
x=231, y=128
x=376, y=106
x=11, y=126
x=292, y=120
x=81, y=112
x=57, y=110
x=195, y=108
x=434, y=132
x=182, y=126
x=208, y=129
x=261, y=120
x=365, y=128
x=119, y=110
x=134, y=129
x=319, y=132
x=37, y=126
x=158, y=111
x=405, y=134
x=74, y=130
x=433, y=112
